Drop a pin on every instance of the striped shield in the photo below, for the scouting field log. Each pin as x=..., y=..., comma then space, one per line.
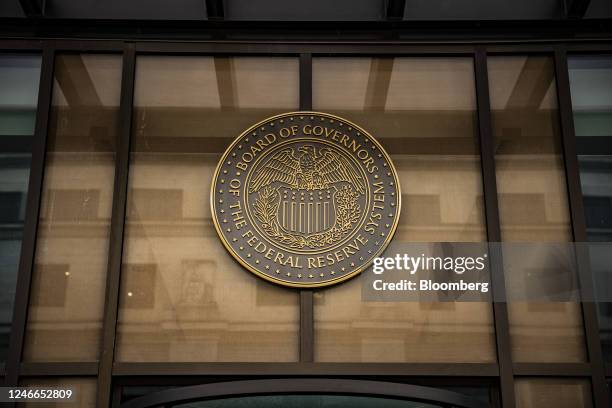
x=306, y=212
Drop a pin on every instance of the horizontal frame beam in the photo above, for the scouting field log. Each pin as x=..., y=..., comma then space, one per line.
x=593, y=145
x=328, y=369
x=333, y=369
x=421, y=31
x=294, y=48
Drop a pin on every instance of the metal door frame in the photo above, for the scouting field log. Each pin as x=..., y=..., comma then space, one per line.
x=308, y=386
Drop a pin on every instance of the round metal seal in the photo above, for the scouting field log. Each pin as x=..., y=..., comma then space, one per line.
x=305, y=199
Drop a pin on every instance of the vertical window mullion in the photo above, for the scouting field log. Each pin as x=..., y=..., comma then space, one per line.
x=26, y=260
x=117, y=228
x=306, y=296
x=487, y=153
x=570, y=159
x=305, y=81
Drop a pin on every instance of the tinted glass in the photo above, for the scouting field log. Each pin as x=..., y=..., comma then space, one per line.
x=68, y=284
x=183, y=297
x=303, y=401
x=423, y=111
x=591, y=89
x=19, y=78
x=533, y=204
x=591, y=85
x=553, y=393
x=596, y=181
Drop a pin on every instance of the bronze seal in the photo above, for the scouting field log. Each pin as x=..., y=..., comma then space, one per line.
x=305, y=199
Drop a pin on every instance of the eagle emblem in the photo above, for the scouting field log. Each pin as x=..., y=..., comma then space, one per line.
x=305, y=199
x=311, y=170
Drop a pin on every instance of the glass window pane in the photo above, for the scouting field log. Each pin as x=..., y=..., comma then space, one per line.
x=67, y=293
x=183, y=297
x=19, y=78
x=20, y=74
x=596, y=181
x=84, y=390
x=532, y=199
x=553, y=393
x=591, y=89
x=423, y=111
x=320, y=401
x=591, y=86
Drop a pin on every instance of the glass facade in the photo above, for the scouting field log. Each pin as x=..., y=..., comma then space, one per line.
x=177, y=309
x=591, y=84
x=596, y=179
x=431, y=133
x=183, y=298
x=19, y=78
x=533, y=204
x=558, y=393
x=336, y=401
x=68, y=284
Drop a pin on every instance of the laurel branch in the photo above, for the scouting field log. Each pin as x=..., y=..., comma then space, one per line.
x=347, y=214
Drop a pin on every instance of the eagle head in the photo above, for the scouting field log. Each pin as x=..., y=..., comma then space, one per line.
x=308, y=149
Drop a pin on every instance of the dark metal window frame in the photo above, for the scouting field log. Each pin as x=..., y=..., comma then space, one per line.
x=109, y=373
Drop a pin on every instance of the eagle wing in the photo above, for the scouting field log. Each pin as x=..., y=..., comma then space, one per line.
x=282, y=167
x=334, y=167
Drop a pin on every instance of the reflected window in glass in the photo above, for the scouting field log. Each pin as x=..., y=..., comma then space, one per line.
x=19, y=79
x=69, y=276
x=591, y=90
x=533, y=204
x=423, y=112
x=183, y=297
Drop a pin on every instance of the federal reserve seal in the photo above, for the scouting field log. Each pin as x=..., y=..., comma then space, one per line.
x=305, y=199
